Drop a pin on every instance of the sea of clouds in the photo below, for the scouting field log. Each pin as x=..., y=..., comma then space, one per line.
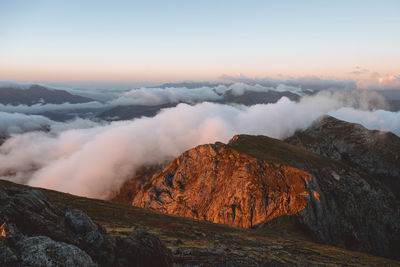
x=94, y=159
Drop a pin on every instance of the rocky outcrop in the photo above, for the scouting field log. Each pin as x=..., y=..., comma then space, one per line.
x=38, y=232
x=373, y=152
x=255, y=179
x=43, y=251
x=218, y=184
x=135, y=184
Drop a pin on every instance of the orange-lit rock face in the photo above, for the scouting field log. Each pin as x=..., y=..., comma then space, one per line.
x=219, y=184
x=3, y=230
x=130, y=188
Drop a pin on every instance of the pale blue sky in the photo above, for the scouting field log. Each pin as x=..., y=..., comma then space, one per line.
x=176, y=40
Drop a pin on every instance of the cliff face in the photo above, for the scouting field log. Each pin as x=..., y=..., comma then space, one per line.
x=256, y=179
x=218, y=184
x=373, y=152
x=135, y=184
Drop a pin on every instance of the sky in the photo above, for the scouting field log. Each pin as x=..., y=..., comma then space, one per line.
x=54, y=40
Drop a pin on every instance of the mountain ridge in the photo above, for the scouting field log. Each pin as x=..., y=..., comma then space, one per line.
x=36, y=94
x=374, y=152
x=345, y=207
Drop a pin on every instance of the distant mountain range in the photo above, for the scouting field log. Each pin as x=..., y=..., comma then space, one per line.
x=248, y=98
x=36, y=94
x=129, y=112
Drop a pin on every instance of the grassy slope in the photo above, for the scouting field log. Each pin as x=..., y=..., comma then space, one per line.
x=253, y=245
x=270, y=149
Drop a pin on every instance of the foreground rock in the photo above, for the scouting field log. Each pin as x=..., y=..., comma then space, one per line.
x=374, y=152
x=192, y=242
x=38, y=232
x=256, y=179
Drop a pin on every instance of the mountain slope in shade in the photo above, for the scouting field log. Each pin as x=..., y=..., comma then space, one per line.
x=129, y=112
x=191, y=242
x=254, y=179
x=132, y=186
x=38, y=94
x=374, y=152
x=249, y=98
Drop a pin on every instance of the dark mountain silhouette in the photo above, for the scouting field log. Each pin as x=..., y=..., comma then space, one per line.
x=132, y=111
x=248, y=98
x=35, y=94
x=373, y=152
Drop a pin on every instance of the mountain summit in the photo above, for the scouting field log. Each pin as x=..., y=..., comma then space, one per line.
x=255, y=179
x=374, y=152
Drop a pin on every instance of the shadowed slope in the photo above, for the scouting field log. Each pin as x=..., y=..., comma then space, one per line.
x=38, y=94
x=374, y=152
x=254, y=179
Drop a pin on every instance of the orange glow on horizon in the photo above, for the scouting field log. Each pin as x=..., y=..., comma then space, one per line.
x=179, y=72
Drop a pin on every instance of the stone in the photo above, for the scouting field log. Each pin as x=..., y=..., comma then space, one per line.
x=39, y=232
x=43, y=251
x=79, y=222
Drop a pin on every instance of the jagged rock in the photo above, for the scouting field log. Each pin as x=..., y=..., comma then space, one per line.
x=135, y=184
x=43, y=251
x=218, y=184
x=39, y=232
x=33, y=214
x=374, y=152
x=8, y=257
x=255, y=179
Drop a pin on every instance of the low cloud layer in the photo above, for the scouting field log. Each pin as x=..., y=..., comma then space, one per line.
x=13, y=123
x=154, y=96
x=40, y=108
x=158, y=96
x=234, y=86
x=362, y=79
x=90, y=159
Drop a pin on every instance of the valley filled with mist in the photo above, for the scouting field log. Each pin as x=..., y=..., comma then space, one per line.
x=91, y=154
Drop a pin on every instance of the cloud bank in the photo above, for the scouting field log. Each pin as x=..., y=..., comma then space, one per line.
x=91, y=159
x=13, y=123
